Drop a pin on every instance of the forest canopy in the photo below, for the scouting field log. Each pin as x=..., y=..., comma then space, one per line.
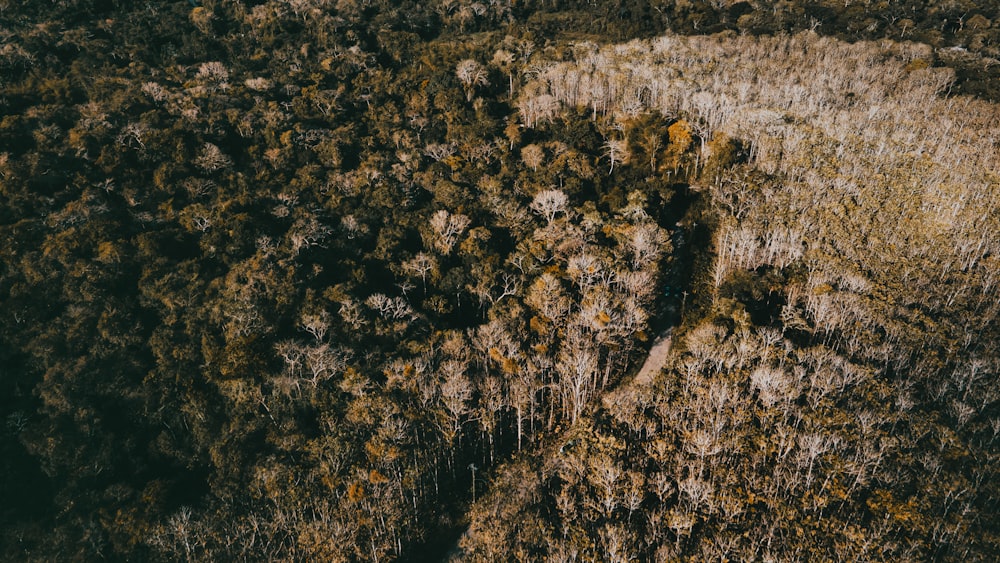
x=329, y=280
x=840, y=384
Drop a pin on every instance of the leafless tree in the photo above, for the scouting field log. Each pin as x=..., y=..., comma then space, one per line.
x=447, y=228
x=456, y=393
x=472, y=75
x=617, y=151
x=549, y=203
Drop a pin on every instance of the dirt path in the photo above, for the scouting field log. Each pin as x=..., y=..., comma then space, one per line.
x=654, y=361
x=657, y=357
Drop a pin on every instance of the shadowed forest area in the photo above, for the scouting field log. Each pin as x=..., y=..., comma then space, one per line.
x=321, y=280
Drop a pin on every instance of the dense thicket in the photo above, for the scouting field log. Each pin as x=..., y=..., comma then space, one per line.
x=837, y=396
x=280, y=278
x=297, y=279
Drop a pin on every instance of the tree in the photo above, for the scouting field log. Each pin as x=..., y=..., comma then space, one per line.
x=422, y=265
x=532, y=156
x=651, y=142
x=535, y=109
x=577, y=368
x=446, y=228
x=547, y=296
x=617, y=151
x=472, y=75
x=212, y=159
x=504, y=60
x=647, y=243
x=549, y=203
x=316, y=324
x=456, y=393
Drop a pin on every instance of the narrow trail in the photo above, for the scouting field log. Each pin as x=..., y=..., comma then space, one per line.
x=657, y=357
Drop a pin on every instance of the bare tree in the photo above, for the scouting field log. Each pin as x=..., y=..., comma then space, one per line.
x=212, y=158
x=422, y=265
x=316, y=324
x=446, y=228
x=647, y=242
x=533, y=156
x=617, y=151
x=549, y=203
x=578, y=370
x=471, y=74
x=456, y=393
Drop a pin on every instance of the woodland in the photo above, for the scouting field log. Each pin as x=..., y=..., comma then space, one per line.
x=336, y=280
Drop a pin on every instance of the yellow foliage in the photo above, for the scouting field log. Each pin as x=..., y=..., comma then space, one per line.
x=454, y=161
x=201, y=18
x=822, y=289
x=680, y=136
x=603, y=318
x=495, y=355
x=539, y=325
x=329, y=481
x=355, y=492
x=107, y=253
